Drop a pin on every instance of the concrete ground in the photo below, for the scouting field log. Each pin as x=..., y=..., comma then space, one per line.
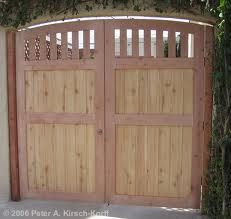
x=59, y=209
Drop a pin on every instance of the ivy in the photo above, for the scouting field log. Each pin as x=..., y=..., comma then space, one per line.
x=14, y=13
x=217, y=199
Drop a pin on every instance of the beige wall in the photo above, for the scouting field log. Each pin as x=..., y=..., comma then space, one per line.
x=4, y=141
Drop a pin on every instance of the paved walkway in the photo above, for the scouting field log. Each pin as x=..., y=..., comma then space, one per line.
x=59, y=209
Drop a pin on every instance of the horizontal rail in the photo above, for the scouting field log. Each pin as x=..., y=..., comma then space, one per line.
x=134, y=63
x=60, y=64
x=63, y=118
x=153, y=119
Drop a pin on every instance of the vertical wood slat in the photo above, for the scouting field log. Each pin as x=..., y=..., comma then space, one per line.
x=171, y=44
x=159, y=43
x=184, y=45
x=64, y=45
x=123, y=43
x=86, y=44
x=12, y=111
x=43, y=47
x=135, y=43
x=31, y=49
x=147, y=43
x=53, y=46
x=75, y=45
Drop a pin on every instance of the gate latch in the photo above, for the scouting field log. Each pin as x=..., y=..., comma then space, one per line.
x=100, y=131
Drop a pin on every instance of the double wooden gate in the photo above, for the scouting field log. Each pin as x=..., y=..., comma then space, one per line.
x=111, y=111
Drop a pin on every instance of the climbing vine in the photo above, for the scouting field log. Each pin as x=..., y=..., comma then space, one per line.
x=217, y=199
x=14, y=13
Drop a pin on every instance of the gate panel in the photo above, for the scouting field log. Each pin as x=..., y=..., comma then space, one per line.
x=153, y=99
x=159, y=161
x=60, y=119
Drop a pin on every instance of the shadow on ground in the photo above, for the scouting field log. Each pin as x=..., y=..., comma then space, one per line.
x=59, y=209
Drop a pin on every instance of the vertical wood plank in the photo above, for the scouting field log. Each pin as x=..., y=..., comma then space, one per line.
x=121, y=174
x=186, y=162
x=164, y=157
x=188, y=91
x=70, y=158
x=90, y=91
x=171, y=44
x=154, y=91
x=12, y=114
x=143, y=91
x=29, y=84
x=123, y=43
x=90, y=142
x=75, y=45
x=131, y=91
x=43, y=47
x=86, y=44
x=135, y=43
x=31, y=49
x=175, y=162
x=53, y=42
x=152, y=163
x=177, y=91
x=159, y=44
x=147, y=43
x=120, y=91
x=60, y=161
x=32, y=183
x=69, y=91
x=64, y=45
x=184, y=45
x=50, y=158
x=166, y=90
x=140, y=159
x=131, y=144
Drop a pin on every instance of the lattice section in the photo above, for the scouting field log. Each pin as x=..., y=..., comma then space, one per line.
x=48, y=50
x=26, y=50
x=69, y=53
x=59, y=52
x=80, y=45
x=37, y=48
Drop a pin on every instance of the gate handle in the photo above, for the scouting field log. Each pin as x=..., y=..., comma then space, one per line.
x=100, y=131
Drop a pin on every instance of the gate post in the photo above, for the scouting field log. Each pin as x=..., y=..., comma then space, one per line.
x=11, y=74
x=4, y=137
x=208, y=97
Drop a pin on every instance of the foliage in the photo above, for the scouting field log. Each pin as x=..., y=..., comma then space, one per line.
x=217, y=200
x=14, y=13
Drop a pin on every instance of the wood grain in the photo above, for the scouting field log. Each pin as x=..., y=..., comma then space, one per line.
x=61, y=158
x=153, y=161
x=12, y=115
x=60, y=91
x=162, y=91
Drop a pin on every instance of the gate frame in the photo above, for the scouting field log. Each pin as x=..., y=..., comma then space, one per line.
x=198, y=118
x=12, y=117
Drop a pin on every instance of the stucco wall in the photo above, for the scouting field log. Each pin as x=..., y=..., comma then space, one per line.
x=4, y=139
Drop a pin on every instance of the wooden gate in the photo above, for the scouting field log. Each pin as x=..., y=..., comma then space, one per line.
x=149, y=152
x=60, y=117
x=154, y=90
